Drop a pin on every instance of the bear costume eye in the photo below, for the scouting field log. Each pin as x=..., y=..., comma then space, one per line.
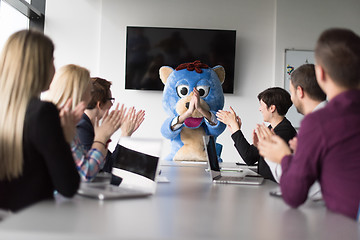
x=182, y=90
x=203, y=91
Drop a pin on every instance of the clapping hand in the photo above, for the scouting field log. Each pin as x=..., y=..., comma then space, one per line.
x=263, y=132
x=293, y=144
x=232, y=121
x=271, y=146
x=111, y=122
x=255, y=138
x=195, y=104
x=132, y=121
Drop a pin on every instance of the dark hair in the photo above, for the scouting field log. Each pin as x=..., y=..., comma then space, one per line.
x=304, y=76
x=338, y=52
x=100, y=93
x=278, y=97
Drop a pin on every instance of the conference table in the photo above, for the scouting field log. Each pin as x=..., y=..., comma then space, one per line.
x=188, y=206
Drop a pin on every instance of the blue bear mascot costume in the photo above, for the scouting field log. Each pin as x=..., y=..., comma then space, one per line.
x=192, y=95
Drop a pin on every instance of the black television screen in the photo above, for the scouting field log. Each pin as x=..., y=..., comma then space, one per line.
x=149, y=48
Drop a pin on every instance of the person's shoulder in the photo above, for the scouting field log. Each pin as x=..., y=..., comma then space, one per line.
x=285, y=130
x=316, y=115
x=84, y=122
x=315, y=120
x=284, y=124
x=37, y=108
x=37, y=104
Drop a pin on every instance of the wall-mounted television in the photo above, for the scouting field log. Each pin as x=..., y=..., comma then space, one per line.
x=149, y=48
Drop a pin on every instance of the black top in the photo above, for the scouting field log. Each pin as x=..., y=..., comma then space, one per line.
x=250, y=154
x=85, y=131
x=48, y=163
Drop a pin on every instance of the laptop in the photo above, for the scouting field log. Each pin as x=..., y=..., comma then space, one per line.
x=134, y=173
x=107, y=191
x=246, y=177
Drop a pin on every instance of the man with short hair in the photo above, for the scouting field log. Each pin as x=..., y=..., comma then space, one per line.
x=328, y=140
x=307, y=97
x=306, y=94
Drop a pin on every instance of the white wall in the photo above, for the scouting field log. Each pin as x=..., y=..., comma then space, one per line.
x=92, y=33
x=75, y=38
x=299, y=24
x=74, y=26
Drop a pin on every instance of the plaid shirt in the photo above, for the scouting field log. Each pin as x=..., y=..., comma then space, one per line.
x=88, y=163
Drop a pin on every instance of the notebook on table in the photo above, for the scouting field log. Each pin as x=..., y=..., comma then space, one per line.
x=245, y=177
x=134, y=172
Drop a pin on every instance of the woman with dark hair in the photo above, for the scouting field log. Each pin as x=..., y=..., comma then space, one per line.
x=274, y=104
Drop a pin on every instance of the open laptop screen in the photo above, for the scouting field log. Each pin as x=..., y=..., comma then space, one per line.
x=136, y=162
x=211, y=152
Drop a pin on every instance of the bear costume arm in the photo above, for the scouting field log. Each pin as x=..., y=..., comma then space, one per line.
x=216, y=129
x=166, y=130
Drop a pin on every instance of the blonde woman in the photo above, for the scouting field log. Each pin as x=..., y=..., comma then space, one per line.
x=73, y=82
x=35, y=156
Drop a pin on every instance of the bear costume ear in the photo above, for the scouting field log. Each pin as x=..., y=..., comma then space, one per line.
x=164, y=73
x=220, y=71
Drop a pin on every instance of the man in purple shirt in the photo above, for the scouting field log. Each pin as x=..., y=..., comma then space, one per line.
x=328, y=147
